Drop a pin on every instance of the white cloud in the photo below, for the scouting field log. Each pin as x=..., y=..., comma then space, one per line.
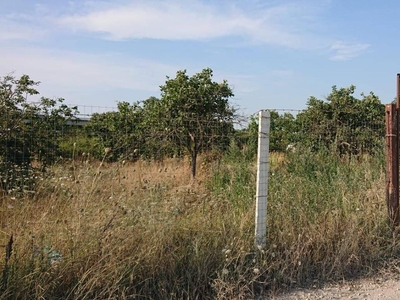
x=75, y=71
x=12, y=30
x=81, y=78
x=192, y=20
x=346, y=51
x=162, y=21
x=289, y=24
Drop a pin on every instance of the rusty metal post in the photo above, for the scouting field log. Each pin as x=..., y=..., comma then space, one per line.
x=392, y=164
x=398, y=92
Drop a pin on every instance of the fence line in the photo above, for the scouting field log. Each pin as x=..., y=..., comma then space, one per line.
x=115, y=137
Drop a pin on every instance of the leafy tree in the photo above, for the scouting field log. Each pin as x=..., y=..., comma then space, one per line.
x=284, y=131
x=160, y=141
x=193, y=115
x=120, y=131
x=195, y=112
x=29, y=132
x=342, y=123
x=131, y=132
x=47, y=127
x=246, y=139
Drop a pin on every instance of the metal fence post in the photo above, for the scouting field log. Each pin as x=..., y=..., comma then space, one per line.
x=392, y=164
x=264, y=121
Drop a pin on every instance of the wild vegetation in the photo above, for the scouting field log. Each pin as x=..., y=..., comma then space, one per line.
x=114, y=212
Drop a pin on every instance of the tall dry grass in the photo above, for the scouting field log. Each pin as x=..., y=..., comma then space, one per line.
x=144, y=230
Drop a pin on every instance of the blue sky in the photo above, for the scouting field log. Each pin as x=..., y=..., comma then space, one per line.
x=274, y=53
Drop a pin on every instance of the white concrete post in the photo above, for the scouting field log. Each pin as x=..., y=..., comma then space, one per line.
x=264, y=121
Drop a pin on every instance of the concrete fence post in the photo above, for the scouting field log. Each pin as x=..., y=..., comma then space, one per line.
x=264, y=121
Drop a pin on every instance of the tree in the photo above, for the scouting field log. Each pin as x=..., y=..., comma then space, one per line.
x=342, y=123
x=29, y=132
x=160, y=141
x=195, y=112
x=120, y=131
x=284, y=131
x=246, y=139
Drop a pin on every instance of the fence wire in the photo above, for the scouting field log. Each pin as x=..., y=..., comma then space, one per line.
x=341, y=132
x=32, y=142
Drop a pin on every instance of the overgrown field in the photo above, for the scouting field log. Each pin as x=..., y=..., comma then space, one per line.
x=144, y=230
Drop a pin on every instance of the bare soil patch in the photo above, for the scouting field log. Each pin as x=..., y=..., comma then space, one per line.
x=381, y=287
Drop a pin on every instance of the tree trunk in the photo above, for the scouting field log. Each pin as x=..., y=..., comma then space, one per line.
x=193, y=163
x=193, y=153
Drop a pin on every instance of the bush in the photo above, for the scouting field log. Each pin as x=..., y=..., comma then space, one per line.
x=29, y=133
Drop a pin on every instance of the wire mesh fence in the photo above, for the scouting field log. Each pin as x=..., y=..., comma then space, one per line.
x=39, y=138
x=351, y=133
x=90, y=171
x=36, y=137
x=346, y=135
x=33, y=138
x=48, y=151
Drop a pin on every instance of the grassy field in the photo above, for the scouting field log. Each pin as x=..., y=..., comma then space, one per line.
x=145, y=230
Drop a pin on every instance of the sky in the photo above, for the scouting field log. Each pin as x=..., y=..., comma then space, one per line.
x=275, y=54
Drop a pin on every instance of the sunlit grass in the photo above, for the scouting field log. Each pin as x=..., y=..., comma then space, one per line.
x=146, y=230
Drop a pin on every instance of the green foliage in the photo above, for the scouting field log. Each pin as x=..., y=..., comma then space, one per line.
x=230, y=180
x=29, y=132
x=78, y=145
x=343, y=124
x=120, y=131
x=284, y=131
x=193, y=115
x=197, y=112
x=160, y=141
x=246, y=140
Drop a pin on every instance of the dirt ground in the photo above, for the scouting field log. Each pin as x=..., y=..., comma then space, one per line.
x=382, y=288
